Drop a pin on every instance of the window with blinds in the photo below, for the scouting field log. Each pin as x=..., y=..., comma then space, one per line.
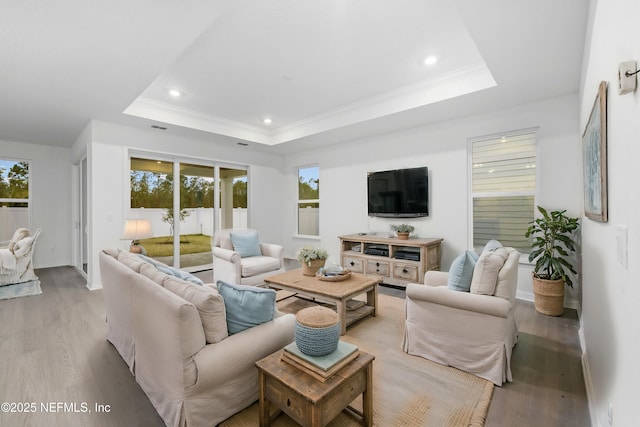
x=503, y=175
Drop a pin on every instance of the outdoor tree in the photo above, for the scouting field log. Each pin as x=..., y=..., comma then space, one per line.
x=168, y=217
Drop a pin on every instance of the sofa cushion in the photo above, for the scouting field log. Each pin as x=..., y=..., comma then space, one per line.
x=153, y=273
x=246, y=306
x=112, y=252
x=209, y=303
x=255, y=265
x=130, y=260
x=171, y=270
x=461, y=271
x=246, y=243
x=485, y=273
x=504, y=287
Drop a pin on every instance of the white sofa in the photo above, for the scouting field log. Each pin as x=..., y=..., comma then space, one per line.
x=160, y=335
x=469, y=331
x=229, y=266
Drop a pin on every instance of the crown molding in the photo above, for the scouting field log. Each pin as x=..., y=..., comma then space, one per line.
x=461, y=81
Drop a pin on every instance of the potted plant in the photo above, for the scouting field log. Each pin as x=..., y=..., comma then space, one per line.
x=403, y=230
x=312, y=259
x=553, y=242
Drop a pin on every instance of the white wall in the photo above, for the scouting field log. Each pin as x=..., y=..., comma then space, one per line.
x=50, y=199
x=442, y=148
x=109, y=176
x=611, y=294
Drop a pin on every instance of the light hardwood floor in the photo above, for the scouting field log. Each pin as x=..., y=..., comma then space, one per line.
x=54, y=352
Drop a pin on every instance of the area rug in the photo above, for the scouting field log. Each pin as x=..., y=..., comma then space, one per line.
x=407, y=390
x=20, y=290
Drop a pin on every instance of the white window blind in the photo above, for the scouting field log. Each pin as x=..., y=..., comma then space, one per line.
x=503, y=187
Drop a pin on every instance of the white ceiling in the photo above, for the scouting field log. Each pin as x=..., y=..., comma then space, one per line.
x=324, y=71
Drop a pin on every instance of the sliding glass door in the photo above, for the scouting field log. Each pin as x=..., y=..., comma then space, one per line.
x=184, y=217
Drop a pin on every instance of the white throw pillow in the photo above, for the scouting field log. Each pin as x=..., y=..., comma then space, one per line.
x=485, y=273
x=209, y=303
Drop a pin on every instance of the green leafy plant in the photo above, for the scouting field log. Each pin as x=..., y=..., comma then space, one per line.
x=553, y=241
x=309, y=253
x=403, y=228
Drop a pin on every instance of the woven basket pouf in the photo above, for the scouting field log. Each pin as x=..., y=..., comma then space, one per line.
x=317, y=331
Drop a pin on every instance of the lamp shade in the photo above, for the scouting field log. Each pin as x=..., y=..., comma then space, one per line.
x=136, y=229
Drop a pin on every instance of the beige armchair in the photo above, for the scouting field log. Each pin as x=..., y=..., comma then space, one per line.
x=469, y=331
x=16, y=257
x=233, y=265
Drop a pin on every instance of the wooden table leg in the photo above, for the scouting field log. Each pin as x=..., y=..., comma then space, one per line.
x=372, y=299
x=367, y=399
x=263, y=405
x=341, y=308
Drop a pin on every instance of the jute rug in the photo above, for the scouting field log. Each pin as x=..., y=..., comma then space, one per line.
x=407, y=390
x=24, y=289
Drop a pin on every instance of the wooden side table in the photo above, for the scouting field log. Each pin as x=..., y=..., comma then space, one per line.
x=310, y=402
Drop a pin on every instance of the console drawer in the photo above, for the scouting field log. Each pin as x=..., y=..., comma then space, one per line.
x=377, y=267
x=406, y=272
x=354, y=264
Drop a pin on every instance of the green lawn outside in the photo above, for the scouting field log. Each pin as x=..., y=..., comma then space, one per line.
x=189, y=244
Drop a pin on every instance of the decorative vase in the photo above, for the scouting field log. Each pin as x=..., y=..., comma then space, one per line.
x=548, y=296
x=311, y=270
x=317, y=331
x=403, y=236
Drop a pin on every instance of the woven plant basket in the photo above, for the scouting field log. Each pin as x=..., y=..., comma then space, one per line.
x=548, y=296
x=311, y=270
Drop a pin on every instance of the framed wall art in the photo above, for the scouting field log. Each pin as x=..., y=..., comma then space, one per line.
x=594, y=149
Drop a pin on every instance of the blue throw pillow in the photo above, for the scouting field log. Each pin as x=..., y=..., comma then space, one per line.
x=172, y=271
x=246, y=243
x=461, y=271
x=492, y=245
x=246, y=306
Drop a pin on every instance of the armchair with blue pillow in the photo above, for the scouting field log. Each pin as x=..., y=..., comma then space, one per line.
x=240, y=258
x=465, y=317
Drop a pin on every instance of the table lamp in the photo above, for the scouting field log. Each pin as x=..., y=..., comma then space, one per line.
x=134, y=230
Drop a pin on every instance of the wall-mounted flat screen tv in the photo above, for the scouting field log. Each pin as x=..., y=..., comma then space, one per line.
x=400, y=193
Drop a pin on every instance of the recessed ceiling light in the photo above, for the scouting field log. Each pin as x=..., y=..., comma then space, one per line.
x=175, y=93
x=267, y=121
x=430, y=60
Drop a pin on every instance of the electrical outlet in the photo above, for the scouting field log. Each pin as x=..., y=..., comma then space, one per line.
x=610, y=414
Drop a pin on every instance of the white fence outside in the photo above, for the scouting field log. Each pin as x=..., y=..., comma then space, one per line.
x=309, y=221
x=11, y=219
x=199, y=221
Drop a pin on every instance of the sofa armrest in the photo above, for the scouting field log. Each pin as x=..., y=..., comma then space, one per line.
x=220, y=362
x=227, y=255
x=272, y=250
x=436, y=278
x=484, y=304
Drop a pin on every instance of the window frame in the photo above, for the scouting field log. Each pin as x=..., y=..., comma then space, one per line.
x=28, y=200
x=300, y=201
x=472, y=196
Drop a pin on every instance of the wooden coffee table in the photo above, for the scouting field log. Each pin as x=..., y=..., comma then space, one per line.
x=337, y=293
x=309, y=401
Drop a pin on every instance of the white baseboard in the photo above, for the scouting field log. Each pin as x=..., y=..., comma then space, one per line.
x=588, y=384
